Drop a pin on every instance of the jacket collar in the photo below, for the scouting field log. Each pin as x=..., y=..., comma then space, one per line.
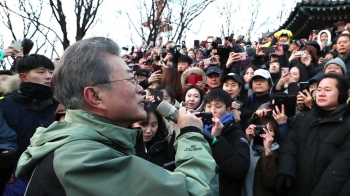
x=123, y=137
x=337, y=114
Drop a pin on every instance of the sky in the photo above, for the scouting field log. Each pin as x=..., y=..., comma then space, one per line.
x=113, y=22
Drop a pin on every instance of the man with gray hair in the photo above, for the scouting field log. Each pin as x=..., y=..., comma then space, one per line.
x=94, y=152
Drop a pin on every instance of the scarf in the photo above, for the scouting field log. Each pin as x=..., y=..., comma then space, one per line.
x=38, y=96
x=249, y=90
x=35, y=90
x=227, y=118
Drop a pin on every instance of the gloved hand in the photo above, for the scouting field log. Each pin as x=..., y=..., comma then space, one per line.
x=283, y=183
x=8, y=157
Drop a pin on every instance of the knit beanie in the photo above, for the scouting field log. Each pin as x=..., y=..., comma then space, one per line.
x=338, y=62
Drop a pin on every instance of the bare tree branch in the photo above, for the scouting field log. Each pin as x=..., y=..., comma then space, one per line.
x=160, y=17
x=85, y=21
x=188, y=13
x=8, y=24
x=35, y=22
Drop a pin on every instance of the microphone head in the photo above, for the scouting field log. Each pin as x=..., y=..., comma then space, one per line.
x=168, y=111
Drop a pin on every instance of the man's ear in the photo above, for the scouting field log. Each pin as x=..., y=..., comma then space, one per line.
x=23, y=77
x=228, y=109
x=92, y=98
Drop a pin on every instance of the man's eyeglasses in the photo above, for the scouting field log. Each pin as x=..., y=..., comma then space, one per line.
x=133, y=79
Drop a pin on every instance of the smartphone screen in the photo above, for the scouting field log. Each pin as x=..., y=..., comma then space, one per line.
x=285, y=70
x=243, y=56
x=191, y=80
x=206, y=61
x=17, y=45
x=206, y=117
x=289, y=102
x=158, y=96
x=301, y=53
x=199, y=78
x=268, y=50
x=157, y=67
x=304, y=86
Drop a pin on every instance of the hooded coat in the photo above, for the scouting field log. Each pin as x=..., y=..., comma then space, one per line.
x=189, y=71
x=32, y=106
x=329, y=41
x=10, y=84
x=323, y=51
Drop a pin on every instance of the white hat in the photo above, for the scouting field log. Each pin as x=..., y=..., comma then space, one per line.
x=261, y=73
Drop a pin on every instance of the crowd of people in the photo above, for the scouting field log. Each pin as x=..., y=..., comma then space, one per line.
x=266, y=117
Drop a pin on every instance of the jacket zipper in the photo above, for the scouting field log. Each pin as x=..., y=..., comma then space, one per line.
x=155, y=144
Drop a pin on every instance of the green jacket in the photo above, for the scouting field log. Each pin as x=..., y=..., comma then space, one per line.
x=92, y=156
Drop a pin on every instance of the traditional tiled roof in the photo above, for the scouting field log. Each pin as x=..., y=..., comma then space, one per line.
x=311, y=15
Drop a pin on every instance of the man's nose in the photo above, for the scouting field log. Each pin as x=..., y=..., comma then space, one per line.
x=48, y=75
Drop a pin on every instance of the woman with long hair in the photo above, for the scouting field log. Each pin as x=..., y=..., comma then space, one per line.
x=247, y=74
x=172, y=78
x=154, y=136
x=310, y=61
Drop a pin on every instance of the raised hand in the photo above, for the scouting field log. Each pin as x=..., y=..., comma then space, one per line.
x=249, y=132
x=280, y=116
x=217, y=128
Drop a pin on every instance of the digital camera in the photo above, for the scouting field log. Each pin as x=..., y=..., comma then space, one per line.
x=259, y=129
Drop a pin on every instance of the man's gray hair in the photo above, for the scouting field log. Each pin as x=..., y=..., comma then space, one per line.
x=83, y=64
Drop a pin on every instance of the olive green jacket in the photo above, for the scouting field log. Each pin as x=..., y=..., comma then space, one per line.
x=92, y=156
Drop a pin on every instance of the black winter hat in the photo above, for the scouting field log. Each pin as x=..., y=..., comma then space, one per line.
x=142, y=72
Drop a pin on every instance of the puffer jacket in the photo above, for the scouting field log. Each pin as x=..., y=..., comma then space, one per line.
x=25, y=110
x=316, y=152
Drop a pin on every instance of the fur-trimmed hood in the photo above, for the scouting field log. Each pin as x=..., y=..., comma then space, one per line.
x=329, y=41
x=10, y=84
x=189, y=71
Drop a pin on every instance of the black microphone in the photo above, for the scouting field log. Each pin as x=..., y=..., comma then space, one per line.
x=169, y=112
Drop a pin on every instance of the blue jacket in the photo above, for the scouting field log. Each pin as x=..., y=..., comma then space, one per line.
x=8, y=138
x=24, y=115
